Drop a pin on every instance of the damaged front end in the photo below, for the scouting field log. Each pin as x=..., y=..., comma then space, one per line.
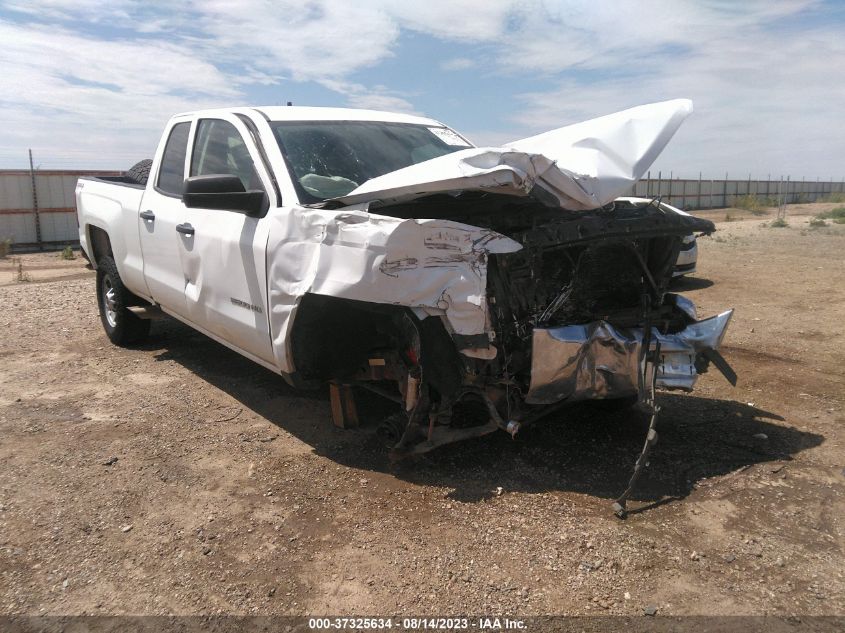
x=528, y=286
x=579, y=312
x=587, y=293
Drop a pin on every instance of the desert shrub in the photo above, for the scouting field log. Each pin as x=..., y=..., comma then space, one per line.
x=837, y=215
x=817, y=222
x=5, y=247
x=778, y=223
x=755, y=204
x=729, y=217
x=67, y=253
x=833, y=197
x=22, y=275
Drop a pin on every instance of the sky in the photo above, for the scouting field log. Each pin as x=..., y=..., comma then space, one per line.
x=88, y=84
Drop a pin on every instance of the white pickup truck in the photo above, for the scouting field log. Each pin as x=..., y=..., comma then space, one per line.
x=385, y=251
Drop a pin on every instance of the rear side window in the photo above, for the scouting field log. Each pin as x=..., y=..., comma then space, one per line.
x=171, y=175
x=220, y=149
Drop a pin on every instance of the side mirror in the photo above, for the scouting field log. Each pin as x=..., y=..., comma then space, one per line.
x=225, y=192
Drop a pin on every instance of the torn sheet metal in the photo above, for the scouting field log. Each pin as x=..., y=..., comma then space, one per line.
x=435, y=266
x=584, y=166
x=596, y=360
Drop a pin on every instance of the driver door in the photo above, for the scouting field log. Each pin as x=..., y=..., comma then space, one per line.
x=225, y=268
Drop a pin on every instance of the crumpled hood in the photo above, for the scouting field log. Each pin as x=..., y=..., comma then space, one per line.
x=584, y=166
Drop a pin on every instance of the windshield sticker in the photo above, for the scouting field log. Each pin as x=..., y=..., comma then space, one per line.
x=448, y=136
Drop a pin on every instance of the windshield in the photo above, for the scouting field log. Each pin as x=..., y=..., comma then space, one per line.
x=328, y=159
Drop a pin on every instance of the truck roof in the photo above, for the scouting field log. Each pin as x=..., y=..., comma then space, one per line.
x=308, y=113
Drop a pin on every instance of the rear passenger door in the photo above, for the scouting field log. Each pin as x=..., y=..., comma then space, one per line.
x=162, y=211
x=225, y=270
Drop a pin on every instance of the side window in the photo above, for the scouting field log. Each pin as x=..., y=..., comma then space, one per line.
x=171, y=174
x=220, y=149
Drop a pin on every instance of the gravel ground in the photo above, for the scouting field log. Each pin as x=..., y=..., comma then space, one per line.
x=179, y=478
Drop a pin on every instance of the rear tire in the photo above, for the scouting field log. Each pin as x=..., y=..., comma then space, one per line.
x=139, y=173
x=121, y=326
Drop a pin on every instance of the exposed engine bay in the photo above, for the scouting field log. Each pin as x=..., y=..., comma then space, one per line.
x=599, y=277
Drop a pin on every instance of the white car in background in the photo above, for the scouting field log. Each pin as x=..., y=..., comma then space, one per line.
x=688, y=257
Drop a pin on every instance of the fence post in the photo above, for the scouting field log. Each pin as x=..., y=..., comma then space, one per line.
x=35, y=204
x=725, y=192
x=659, y=179
x=698, y=197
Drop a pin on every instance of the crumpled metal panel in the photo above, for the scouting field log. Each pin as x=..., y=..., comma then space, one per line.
x=684, y=305
x=435, y=266
x=585, y=166
x=597, y=360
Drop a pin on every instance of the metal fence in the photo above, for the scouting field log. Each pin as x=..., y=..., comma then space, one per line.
x=38, y=207
x=703, y=193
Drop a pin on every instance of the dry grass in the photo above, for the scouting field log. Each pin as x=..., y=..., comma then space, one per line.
x=836, y=215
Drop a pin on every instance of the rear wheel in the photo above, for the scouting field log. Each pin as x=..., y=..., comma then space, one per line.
x=121, y=326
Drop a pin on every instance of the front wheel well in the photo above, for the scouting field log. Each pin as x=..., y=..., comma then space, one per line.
x=332, y=337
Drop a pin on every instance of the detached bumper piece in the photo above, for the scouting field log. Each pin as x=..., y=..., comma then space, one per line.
x=599, y=361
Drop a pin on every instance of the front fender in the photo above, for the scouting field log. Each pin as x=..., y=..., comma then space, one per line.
x=436, y=267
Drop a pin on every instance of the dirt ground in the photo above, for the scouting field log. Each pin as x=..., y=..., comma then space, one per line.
x=180, y=478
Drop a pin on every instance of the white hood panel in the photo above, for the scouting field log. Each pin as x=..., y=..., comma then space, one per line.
x=585, y=165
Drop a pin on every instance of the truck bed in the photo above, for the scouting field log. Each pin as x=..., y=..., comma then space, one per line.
x=115, y=180
x=111, y=205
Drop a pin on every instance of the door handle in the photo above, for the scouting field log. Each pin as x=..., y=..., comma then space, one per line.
x=185, y=229
x=147, y=215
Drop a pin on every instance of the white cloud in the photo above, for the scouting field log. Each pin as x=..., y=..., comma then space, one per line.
x=765, y=100
x=466, y=21
x=371, y=98
x=75, y=98
x=313, y=40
